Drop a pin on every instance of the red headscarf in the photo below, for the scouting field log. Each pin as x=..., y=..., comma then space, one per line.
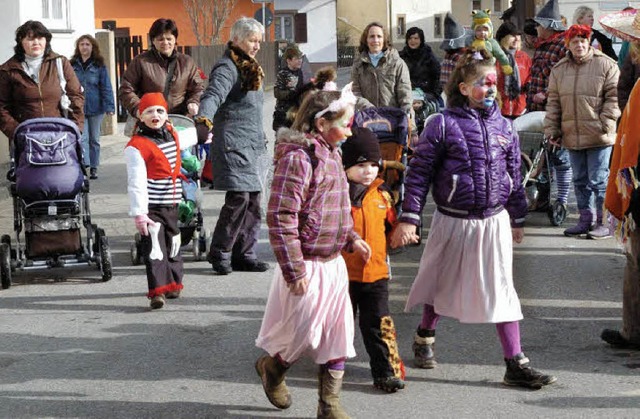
x=583, y=31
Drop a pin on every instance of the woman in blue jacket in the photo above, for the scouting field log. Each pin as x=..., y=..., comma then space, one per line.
x=98, y=96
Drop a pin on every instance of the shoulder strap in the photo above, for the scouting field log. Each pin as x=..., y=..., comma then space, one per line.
x=167, y=82
x=63, y=81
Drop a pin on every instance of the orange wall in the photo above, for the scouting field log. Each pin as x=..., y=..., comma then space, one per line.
x=138, y=15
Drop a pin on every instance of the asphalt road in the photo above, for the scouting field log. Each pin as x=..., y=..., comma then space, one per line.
x=75, y=347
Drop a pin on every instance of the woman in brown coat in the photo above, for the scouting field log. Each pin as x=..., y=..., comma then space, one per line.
x=582, y=109
x=149, y=71
x=29, y=82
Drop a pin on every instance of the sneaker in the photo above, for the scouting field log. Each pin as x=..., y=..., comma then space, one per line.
x=250, y=265
x=93, y=173
x=424, y=356
x=388, y=384
x=221, y=267
x=157, y=302
x=172, y=294
x=519, y=373
x=599, y=232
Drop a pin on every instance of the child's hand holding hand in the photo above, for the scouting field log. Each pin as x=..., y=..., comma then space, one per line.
x=517, y=234
x=363, y=249
x=298, y=287
x=403, y=234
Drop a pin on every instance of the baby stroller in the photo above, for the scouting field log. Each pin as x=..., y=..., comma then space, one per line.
x=535, y=164
x=50, y=193
x=391, y=126
x=190, y=220
x=424, y=104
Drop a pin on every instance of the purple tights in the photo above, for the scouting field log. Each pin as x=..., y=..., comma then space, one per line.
x=509, y=332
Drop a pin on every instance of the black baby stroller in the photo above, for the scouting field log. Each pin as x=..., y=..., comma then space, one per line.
x=50, y=194
x=191, y=221
x=535, y=167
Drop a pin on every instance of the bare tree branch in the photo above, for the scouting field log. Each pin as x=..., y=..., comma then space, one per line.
x=208, y=17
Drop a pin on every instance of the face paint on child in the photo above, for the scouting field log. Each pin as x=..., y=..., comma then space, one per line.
x=483, y=91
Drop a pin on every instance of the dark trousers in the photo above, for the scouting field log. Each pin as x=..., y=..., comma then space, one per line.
x=376, y=325
x=236, y=233
x=164, y=275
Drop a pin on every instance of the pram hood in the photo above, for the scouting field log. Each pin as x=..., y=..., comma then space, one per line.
x=48, y=156
x=389, y=124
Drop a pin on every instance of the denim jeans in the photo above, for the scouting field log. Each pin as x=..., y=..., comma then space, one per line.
x=590, y=176
x=91, y=140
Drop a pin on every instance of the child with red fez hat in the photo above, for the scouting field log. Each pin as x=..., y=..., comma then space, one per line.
x=153, y=167
x=373, y=216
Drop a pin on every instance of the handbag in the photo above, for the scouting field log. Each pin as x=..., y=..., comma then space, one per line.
x=65, y=102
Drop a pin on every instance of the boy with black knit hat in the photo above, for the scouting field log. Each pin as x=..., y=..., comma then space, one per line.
x=153, y=167
x=373, y=216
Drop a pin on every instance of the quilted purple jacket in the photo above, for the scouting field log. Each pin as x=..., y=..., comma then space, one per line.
x=470, y=160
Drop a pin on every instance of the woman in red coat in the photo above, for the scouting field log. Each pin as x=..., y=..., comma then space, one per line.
x=512, y=88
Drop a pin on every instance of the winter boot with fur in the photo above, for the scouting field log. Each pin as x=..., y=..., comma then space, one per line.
x=329, y=385
x=600, y=231
x=519, y=373
x=272, y=374
x=584, y=224
x=423, y=342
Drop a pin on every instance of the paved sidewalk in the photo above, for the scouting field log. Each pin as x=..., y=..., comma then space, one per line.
x=81, y=348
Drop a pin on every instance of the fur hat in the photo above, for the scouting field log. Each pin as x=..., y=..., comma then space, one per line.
x=549, y=17
x=361, y=147
x=152, y=99
x=454, y=34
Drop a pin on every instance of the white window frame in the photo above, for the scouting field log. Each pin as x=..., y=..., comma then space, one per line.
x=56, y=23
x=281, y=17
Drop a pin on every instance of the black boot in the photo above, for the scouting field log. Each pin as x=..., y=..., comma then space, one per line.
x=423, y=342
x=93, y=173
x=615, y=339
x=520, y=373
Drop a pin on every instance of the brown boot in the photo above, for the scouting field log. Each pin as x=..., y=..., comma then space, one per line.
x=272, y=374
x=329, y=385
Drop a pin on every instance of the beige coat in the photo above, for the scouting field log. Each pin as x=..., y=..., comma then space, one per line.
x=388, y=84
x=582, y=104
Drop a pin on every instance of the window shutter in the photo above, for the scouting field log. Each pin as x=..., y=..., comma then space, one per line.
x=300, y=28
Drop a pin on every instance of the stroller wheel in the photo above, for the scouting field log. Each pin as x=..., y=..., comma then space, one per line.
x=104, y=254
x=5, y=265
x=195, y=244
x=557, y=213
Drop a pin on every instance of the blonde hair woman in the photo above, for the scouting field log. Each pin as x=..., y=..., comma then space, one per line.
x=583, y=15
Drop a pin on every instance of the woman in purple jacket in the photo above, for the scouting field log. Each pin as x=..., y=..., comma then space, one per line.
x=470, y=154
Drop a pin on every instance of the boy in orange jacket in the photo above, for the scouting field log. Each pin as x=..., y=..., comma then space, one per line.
x=373, y=216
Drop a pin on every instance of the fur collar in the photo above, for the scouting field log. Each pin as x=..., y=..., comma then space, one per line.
x=251, y=74
x=290, y=136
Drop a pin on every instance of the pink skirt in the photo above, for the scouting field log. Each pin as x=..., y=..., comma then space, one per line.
x=318, y=323
x=466, y=270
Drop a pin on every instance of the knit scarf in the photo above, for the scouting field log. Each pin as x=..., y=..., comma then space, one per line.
x=251, y=74
x=623, y=178
x=512, y=82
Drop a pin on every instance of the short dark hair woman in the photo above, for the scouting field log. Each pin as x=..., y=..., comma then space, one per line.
x=29, y=81
x=149, y=72
x=424, y=68
x=89, y=66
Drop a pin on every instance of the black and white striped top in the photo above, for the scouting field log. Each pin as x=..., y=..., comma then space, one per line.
x=162, y=191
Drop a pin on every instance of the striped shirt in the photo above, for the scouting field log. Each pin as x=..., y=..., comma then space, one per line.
x=163, y=191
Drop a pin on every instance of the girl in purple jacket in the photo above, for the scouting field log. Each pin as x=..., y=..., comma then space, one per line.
x=470, y=158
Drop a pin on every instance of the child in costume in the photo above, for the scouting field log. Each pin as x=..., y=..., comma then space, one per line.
x=153, y=167
x=309, y=219
x=466, y=268
x=453, y=45
x=373, y=216
x=483, y=39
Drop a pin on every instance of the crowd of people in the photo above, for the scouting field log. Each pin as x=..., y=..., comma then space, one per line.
x=330, y=217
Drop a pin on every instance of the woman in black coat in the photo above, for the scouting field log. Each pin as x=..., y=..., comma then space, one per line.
x=424, y=67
